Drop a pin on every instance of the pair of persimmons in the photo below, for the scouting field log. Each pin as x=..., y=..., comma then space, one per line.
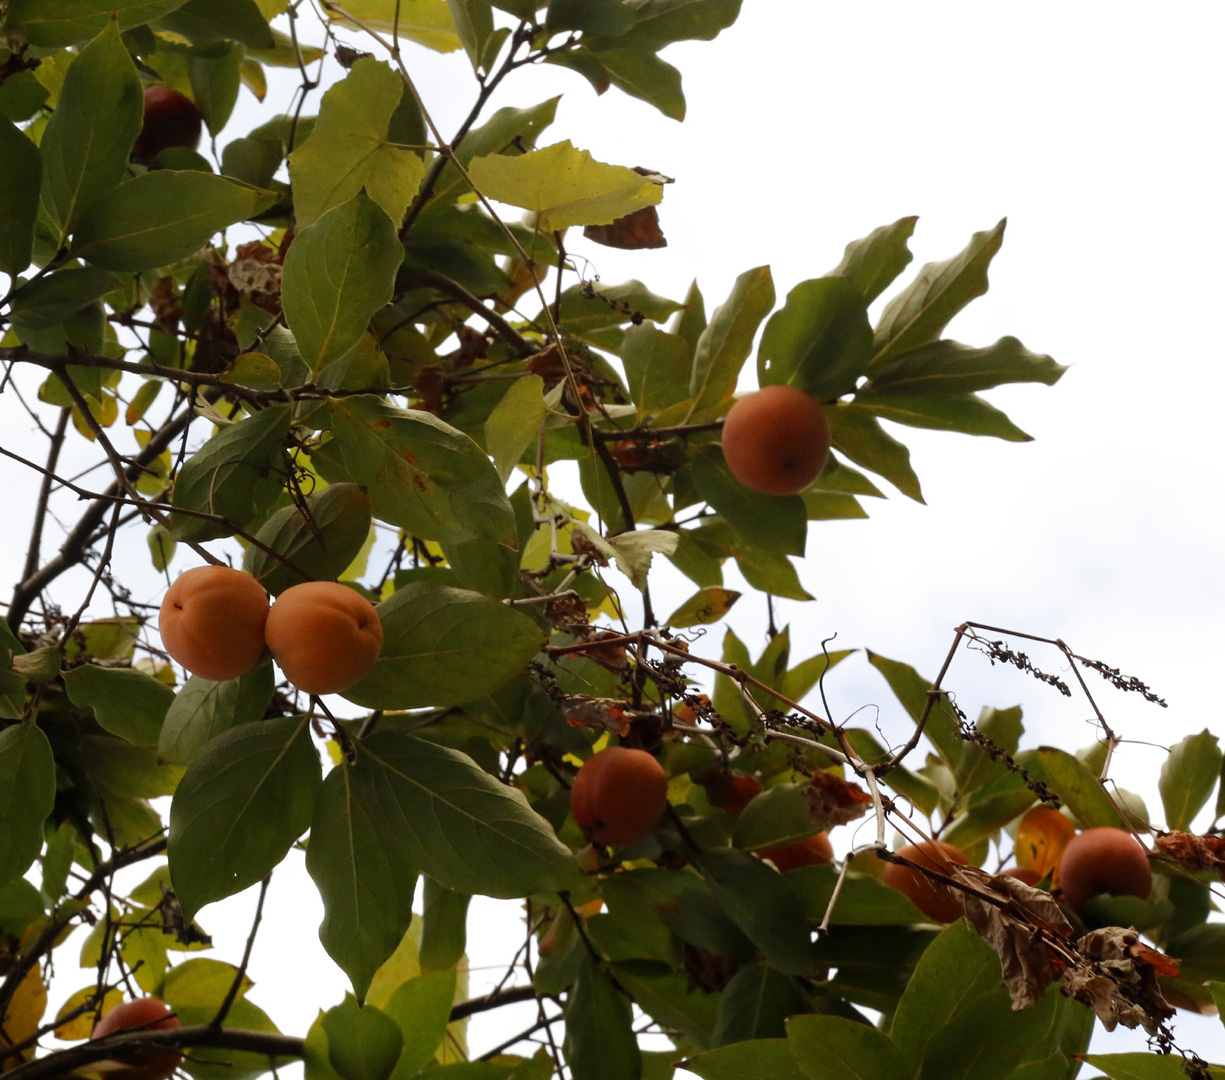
x=620, y=795
x=216, y=622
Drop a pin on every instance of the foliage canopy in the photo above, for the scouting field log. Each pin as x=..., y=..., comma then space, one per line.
x=328, y=351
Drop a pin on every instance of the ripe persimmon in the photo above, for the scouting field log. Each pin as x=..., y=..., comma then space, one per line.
x=776, y=440
x=1103, y=860
x=324, y=635
x=142, y=1014
x=619, y=795
x=811, y=851
x=212, y=622
x=935, y=899
x=171, y=119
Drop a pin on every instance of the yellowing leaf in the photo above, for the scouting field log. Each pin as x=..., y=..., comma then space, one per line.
x=564, y=186
x=24, y=1013
x=80, y=1026
x=348, y=148
x=632, y=552
x=427, y=22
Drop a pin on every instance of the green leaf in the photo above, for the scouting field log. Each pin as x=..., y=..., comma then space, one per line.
x=244, y=799
x=203, y=709
x=88, y=138
x=317, y=541
x=724, y=344
x=592, y=315
x=921, y=311
x=233, y=475
x=214, y=87
x=156, y=219
x=68, y=22
x=762, y=904
x=608, y=17
x=669, y=998
x=656, y=368
x=1142, y=1066
x=949, y=368
x=363, y=1043
x=474, y=24
x=443, y=646
x=760, y=1059
x=873, y=263
x=600, y=1043
x=422, y=474
x=918, y=789
x=427, y=22
x=126, y=702
x=455, y=822
x=661, y=22
x=966, y=413
x=820, y=340
x=984, y=1041
x=864, y=900
x=834, y=1048
x=509, y=131
x=51, y=300
x=514, y=423
x=776, y=817
x=20, y=175
x=204, y=22
x=27, y=794
x=421, y=1009
x=772, y=523
x=911, y=690
x=443, y=927
x=563, y=186
x=339, y=271
x=859, y=436
x=755, y=1004
x=349, y=150
x=1188, y=777
x=365, y=882
x=1077, y=787
x=642, y=74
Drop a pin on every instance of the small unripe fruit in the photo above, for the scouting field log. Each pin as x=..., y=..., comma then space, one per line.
x=143, y=1014
x=1103, y=860
x=619, y=795
x=212, y=622
x=935, y=899
x=171, y=119
x=776, y=440
x=324, y=635
x=813, y=851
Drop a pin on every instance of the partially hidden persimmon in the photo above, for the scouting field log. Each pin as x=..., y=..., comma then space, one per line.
x=814, y=850
x=776, y=440
x=212, y=622
x=324, y=635
x=142, y=1014
x=619, y=795
x=1103, y=860
x=171, y=119
x=935, y=899
x=1041, y=837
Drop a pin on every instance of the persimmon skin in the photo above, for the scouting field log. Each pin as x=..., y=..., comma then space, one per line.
x=1103, y=860
x=815, y=850
x=171, y=119
x=1027, y=875
x=776, y=440
x=212, y=622
x=324, y=635
x=937, y=901
x=143, y=1014
x=619, y=795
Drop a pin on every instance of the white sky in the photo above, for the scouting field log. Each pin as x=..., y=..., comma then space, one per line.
x=1092, y=127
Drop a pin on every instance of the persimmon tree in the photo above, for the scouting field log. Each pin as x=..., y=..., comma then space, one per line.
x=348, y=346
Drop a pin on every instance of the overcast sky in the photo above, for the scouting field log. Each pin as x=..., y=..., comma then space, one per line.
x=1094, y=129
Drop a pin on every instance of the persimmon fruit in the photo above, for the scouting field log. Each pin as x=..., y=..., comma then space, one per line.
x=141, y=1014
x=171, y=119
x=814, y=850
x=619, y=795
x=776, y=440
x=1103, y=860
x=936, y=900
x=324, y=635
x=212, y=622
